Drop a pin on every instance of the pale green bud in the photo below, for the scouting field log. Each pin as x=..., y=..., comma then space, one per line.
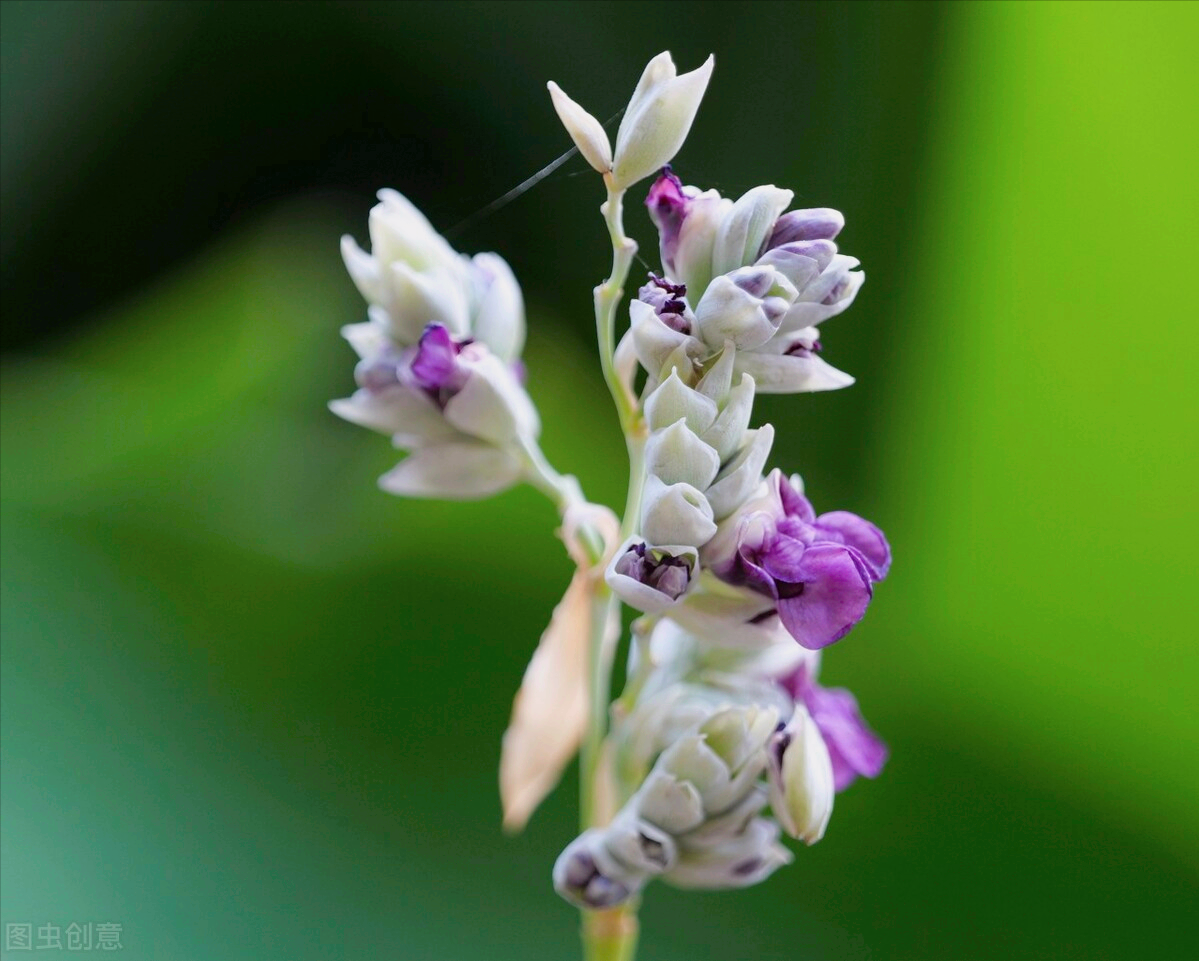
x=801, y=778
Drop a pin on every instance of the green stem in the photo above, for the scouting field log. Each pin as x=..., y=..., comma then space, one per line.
x=610, y=935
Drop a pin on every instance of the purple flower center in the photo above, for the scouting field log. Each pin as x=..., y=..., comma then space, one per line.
x=665, y=573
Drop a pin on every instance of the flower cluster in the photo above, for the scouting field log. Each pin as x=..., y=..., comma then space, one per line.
x=439, y=367
x=723, y=738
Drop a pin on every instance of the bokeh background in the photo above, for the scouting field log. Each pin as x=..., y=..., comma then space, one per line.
x=252, y=706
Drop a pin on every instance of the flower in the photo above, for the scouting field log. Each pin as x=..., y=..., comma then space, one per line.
x=754, y=275
x=853, y=747
x=819, y=571
x=439, y=369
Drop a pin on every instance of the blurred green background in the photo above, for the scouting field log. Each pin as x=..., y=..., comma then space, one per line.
x=251, y=706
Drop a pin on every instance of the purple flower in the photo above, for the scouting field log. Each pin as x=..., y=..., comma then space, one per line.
x=667, y=205
x=819, y=570
x=852, y=746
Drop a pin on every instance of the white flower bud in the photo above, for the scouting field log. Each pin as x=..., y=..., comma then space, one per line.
x=453, y=470
x=401, y=233
x=672, y=804
x=657, y=119
x=745, y=307
x=672, y=399
x=747, y=227
x=677, y=456
x=728, y=430
x=638, y=845
x=718, y=378
x=734, y=861
x=741, y=477
x=801, y=778
x=675, y=514
x=587, y=132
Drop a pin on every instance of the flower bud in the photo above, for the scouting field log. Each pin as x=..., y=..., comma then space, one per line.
x=657, y=119
x=676, y=455
x=741, y=477
x=672, y=400
x=743, y=233
x=675, y=514
x=801, y=778
x=587, y=132
x=587, y=876
x=727, y=431
x=651, y=579
x=731, y=860
x=744, y=307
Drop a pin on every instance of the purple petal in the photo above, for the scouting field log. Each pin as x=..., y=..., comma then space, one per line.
x=435, y=363
x=817, y=223
x=860, y=534
x=853, y=747
x=793, y=502
x=836, y=590
x=667, y=208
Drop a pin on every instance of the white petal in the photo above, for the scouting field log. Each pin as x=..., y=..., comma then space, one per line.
x=782, y=374
x=364, y=271
x=739, y=479
x=396, y=411
x=453, y=470
x=587, y=132
x=676, y=455
x=673, y=399
x=675, y=514
x=747, y=227
x=370, y=339
x=658, y=119
x=418, y=299
x=726, y=433
x=500, y=317
x=492, y=405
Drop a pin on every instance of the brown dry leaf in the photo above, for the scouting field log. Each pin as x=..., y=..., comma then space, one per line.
x=549, y=715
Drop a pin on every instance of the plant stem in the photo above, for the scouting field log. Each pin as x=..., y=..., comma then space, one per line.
x=610, y=935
